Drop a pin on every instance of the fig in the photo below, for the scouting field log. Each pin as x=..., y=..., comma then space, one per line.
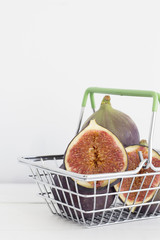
x=117, y=122
x=95, y=150
x=143, y=182
x=82, y=203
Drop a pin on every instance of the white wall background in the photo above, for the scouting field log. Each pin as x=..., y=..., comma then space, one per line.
x=51, y=51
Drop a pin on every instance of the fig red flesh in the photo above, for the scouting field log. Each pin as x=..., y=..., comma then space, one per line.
x=90, y=154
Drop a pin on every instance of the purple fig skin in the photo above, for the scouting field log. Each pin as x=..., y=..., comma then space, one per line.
x=87, y=203
x=117, y=122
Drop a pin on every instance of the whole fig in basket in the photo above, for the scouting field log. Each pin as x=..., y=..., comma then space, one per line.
x=78, y=202
x=117, y=122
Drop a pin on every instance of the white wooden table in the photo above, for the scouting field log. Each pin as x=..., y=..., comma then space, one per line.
x=23, y=215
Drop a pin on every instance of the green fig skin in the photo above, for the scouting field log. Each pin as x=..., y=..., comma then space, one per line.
x=117, y=122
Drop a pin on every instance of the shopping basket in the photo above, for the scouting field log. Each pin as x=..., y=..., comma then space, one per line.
x=59, y=188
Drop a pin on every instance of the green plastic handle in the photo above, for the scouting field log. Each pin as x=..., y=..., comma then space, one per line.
x=122, y=92
x=158, y=97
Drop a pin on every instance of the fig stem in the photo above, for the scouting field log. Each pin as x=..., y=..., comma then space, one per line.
x=106, y=100
x=143, y=142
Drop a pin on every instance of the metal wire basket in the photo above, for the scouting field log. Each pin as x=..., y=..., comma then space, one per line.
x=59, y=188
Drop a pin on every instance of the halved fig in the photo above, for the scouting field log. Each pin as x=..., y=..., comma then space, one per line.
x=95, y=150
x=143, y=182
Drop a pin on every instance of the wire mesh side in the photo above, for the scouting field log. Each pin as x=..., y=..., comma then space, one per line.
x=142, y=201
x=99, y=206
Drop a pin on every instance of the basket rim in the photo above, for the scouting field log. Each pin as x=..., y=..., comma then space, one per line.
x=41, y=163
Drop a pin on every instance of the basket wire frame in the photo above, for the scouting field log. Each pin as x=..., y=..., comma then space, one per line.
x=68, y=203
